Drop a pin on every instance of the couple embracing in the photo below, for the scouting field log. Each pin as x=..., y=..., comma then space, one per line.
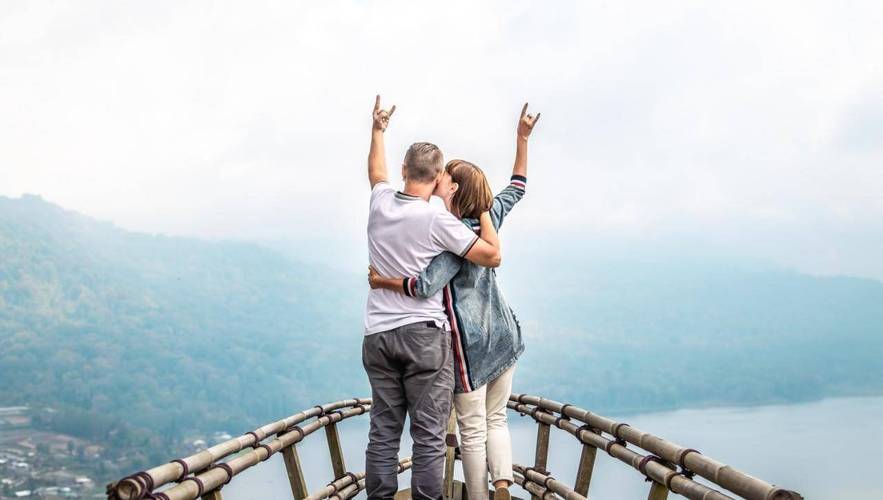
x=437, y=327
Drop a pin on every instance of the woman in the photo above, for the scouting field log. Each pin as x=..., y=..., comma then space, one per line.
x=486, y=336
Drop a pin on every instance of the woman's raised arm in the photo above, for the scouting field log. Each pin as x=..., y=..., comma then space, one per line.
x=512, y=194
x=525, y=127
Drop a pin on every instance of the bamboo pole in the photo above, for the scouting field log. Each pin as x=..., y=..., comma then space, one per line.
x=295, y=472
x=335, y=486
x=201, y=475
x=136, y=486
x=541, y=454
x=450, y=451
x=654, y=470
x=720, y=474
x=214, y=477
x=534, y=489
x=347, y=480
x=335, y=450
x=658, y=492
x=584, y=471
x=547, y=482
x=349, y=491
x=460, y=493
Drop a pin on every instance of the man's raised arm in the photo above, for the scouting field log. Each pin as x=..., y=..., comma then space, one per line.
x=377, y=153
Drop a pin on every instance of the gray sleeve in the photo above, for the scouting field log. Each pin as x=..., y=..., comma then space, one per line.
x=437, y=274
x=506, y=199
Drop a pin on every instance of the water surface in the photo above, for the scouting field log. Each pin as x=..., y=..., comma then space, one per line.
x=824, y=450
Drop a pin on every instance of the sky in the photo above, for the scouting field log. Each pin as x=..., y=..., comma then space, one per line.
x=747, y=130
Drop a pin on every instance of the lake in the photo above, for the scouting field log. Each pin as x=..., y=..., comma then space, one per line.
x=825, y=450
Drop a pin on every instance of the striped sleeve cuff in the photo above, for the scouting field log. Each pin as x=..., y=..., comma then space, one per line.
x=409, y=285
x=469, y=247
x=518, y=181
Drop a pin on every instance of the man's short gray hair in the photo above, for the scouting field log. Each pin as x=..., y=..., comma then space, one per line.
x=423, y=162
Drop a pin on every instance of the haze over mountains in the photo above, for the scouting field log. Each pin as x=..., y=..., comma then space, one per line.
x=135, y=338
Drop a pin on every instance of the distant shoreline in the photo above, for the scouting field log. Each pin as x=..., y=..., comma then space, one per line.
x=731, y=406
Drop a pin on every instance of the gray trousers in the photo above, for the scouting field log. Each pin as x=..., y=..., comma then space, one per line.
x=411, y=370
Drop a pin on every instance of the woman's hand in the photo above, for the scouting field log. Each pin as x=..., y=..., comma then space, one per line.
x=526, y=123
x=373, y=278
x=525, y=127
x=488, y=231
x=485, y=218
x=376, y=281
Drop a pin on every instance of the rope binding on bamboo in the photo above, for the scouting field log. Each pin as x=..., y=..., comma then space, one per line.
x=226, y=468
x=642, y=466
x=682, y=455
x=185, y=468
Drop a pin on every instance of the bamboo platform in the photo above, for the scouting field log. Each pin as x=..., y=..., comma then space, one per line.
x=668, y=467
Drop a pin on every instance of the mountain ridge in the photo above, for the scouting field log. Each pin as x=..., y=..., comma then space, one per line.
x=136, y=338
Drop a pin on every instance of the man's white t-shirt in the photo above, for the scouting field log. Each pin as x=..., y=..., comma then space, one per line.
x=404, y=234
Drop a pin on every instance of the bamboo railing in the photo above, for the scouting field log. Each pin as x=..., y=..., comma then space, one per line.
x=203, y=474
x=669, y=467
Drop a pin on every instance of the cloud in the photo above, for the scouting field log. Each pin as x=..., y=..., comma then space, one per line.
x=727, y=125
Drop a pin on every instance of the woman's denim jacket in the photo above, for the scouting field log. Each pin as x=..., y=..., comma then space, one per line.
x=486, y=335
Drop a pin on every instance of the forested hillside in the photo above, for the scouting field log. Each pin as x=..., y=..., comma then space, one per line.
x=134, y=339
x=647, y=334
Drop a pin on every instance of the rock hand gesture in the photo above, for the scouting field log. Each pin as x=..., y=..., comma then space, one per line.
x=381, y=116
x=525, y=123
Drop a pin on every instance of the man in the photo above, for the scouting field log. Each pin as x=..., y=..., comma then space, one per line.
x=407, y=348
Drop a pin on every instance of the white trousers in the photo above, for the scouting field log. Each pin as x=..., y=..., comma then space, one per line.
x=485, y=444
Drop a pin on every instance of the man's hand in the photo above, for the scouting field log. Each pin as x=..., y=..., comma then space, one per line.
x=525, y=123
x=377, y=153
x=381, y=116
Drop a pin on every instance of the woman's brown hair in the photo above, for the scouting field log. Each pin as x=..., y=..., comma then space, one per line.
x=473, y=195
